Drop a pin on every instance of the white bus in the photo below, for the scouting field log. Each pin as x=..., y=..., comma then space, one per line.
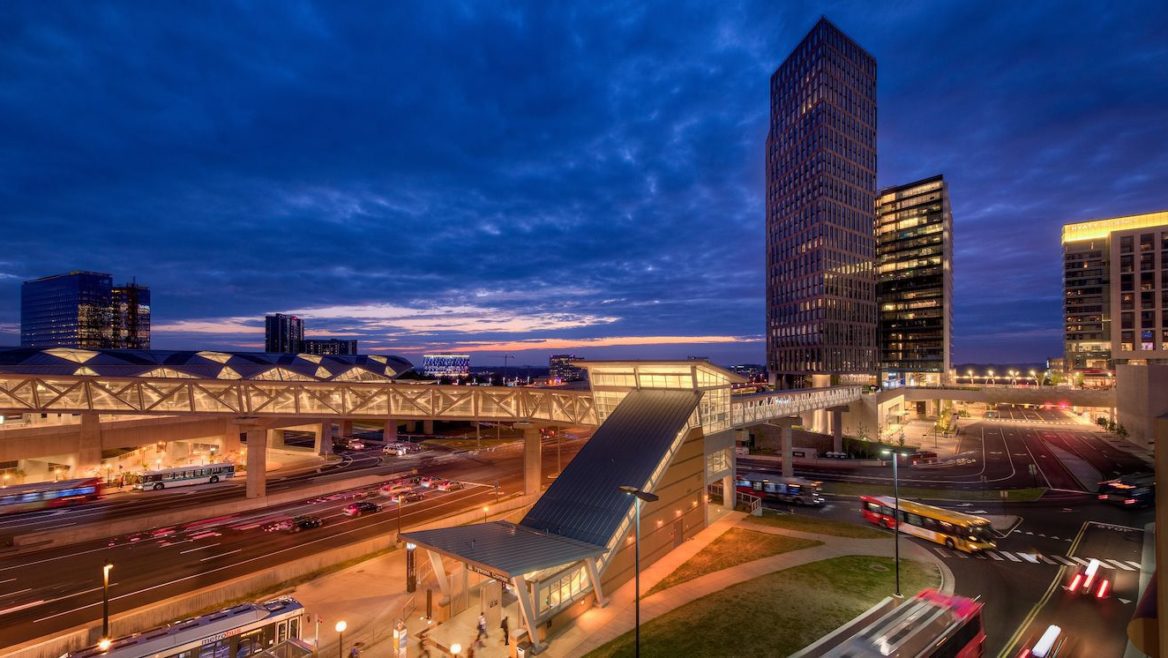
x=234, y=632
x=182, y=476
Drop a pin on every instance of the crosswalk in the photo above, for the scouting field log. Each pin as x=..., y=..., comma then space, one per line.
x=1035, y=558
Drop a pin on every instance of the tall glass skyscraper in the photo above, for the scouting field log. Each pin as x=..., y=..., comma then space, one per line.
x=914, y=282
x=84, y=310
x=820, y=213
x=283, y=334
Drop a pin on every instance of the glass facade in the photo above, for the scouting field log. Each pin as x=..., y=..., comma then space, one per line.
x=329, y=346
x=820, y=201
x=84, y=310
x=914, y=282
x=560, y=368
x=283, y=334
x=446, y=365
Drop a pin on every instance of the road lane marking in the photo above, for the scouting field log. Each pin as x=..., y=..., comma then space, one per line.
x=1080, y=560
x=1136, y=565
x=1064, y=560
x=1119, y=565
x=1010, y=557
x=994, y=556
x=7, y=581
x=1029, y=557
x=200, y=548
x=1007, y=650
x=238, y=550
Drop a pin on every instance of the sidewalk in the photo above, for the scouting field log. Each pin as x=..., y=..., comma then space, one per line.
x=1086, y=474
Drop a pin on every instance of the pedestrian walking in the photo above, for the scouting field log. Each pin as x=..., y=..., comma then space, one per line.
x=506, y=631
x=482, y=629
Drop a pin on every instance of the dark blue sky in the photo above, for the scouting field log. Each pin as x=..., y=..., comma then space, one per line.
x=581, y=177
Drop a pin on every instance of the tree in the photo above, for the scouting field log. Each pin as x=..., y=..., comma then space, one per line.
x=1121, y=431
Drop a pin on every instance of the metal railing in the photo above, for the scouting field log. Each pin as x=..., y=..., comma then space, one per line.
x=761, y=407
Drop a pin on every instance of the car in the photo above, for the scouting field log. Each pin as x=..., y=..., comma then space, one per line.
x=1092, y=580
x=395, y=489
x=406, y=497
x=448, y=485
x=923, y=457
x=428, y=481
x=359, y=508
x=283, y=525
x=1048, y=645
x=306, y=522
x=355, y=444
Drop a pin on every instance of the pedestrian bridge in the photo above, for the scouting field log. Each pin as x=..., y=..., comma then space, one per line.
x=135, y=383
x=1030, y=395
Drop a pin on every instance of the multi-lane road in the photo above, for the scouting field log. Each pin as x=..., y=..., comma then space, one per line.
x=54, y=589
x=1041, y=544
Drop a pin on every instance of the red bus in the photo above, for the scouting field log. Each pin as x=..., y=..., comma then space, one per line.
x=42, y=495
x=929, y=625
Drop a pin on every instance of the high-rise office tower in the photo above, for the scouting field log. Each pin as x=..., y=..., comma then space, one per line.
x=131, y=316
x=1115, y=294
x=820, y=213
x=560, y=367
x=328, y=346
x=84, y=310
x=283, y=334
x=914, y=282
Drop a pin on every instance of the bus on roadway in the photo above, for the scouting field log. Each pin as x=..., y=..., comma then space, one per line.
x=184, y=476
x=957, y=531
x=234, y=632
x=929, y=625
x=42, y=495
x=776, y=488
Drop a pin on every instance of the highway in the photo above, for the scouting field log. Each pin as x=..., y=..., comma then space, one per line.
x=55, y=589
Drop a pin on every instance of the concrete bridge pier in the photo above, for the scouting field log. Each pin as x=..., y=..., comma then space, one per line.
x=257, y=460
x=390, y=433
x=323, y=445
x=785, y=425
x=837, y=428
x=532, y=459
x=346, y=428
x=88, y=445
x=427, y=427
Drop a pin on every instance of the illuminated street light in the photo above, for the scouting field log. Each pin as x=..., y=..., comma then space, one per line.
x=340, y=628
x=105, y=572
x=641, y=496
x=455, y=649
x=896, y=512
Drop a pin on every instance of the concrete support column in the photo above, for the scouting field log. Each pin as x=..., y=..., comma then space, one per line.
x=257, y=462
x=230, y=446
x=837, y=428
x=88, y=446
x=390, y=433
x=784, y=425
x=323, y=445
x=728, y=490
x=411, y=426
x=276, y=439
x=532, y=460
x=346, y=428
x=427, y=427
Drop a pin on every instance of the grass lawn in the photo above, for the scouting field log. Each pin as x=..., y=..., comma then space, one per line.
x=1012, y=495
x=735, y=546
x=776, y=614
x=821, y=526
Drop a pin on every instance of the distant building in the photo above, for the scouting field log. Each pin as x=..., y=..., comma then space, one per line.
x=283, y=334
x=820, y=206
x=751, y=371
x=446, y=365
x=329, y=346
x=560, y=368
x=84, y=310
x=914, y=283
x=1115, y=294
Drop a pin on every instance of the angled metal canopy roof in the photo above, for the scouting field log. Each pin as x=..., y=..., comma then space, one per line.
x=504, y=549
x=166, y=364
x=585, y=502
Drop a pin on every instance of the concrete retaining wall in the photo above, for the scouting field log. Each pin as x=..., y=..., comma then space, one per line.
x=133, y=524
x=180, y=607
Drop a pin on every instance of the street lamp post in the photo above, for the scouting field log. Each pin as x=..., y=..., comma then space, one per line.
x=641, y=496
x=896, y=512
x=340, y=627
x=105, y=572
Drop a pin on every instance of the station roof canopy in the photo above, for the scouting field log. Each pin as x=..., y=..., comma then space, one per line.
x=504, y=549
x=164, y=364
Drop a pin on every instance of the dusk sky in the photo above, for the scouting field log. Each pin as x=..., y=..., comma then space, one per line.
x=544, y=177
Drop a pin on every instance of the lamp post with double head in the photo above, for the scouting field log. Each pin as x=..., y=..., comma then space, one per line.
x=646, y=497
x=896, y=513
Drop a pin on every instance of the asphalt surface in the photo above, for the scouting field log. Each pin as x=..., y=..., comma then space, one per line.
x=55, y=589
x=1022, y=582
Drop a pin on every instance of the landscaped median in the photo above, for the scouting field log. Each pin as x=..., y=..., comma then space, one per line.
x=816, y=525
x=736, y=546
x=1029, y=494
x=776, y=614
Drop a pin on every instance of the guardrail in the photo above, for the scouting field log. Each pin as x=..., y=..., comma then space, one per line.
x=761, y=407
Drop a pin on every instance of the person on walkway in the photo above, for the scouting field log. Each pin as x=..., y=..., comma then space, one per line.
x=506, y=631
x=482, y=629
x=355, y=652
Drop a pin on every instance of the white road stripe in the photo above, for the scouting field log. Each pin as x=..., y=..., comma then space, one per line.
x=1120, y=565
x=1081, y=560
x=1010, y=557
x=1046, y=559
x=961, y=555
x=200, y=548
x=1064, y=560
x=1135, y=564
x=221, y=555
x=994, y=555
